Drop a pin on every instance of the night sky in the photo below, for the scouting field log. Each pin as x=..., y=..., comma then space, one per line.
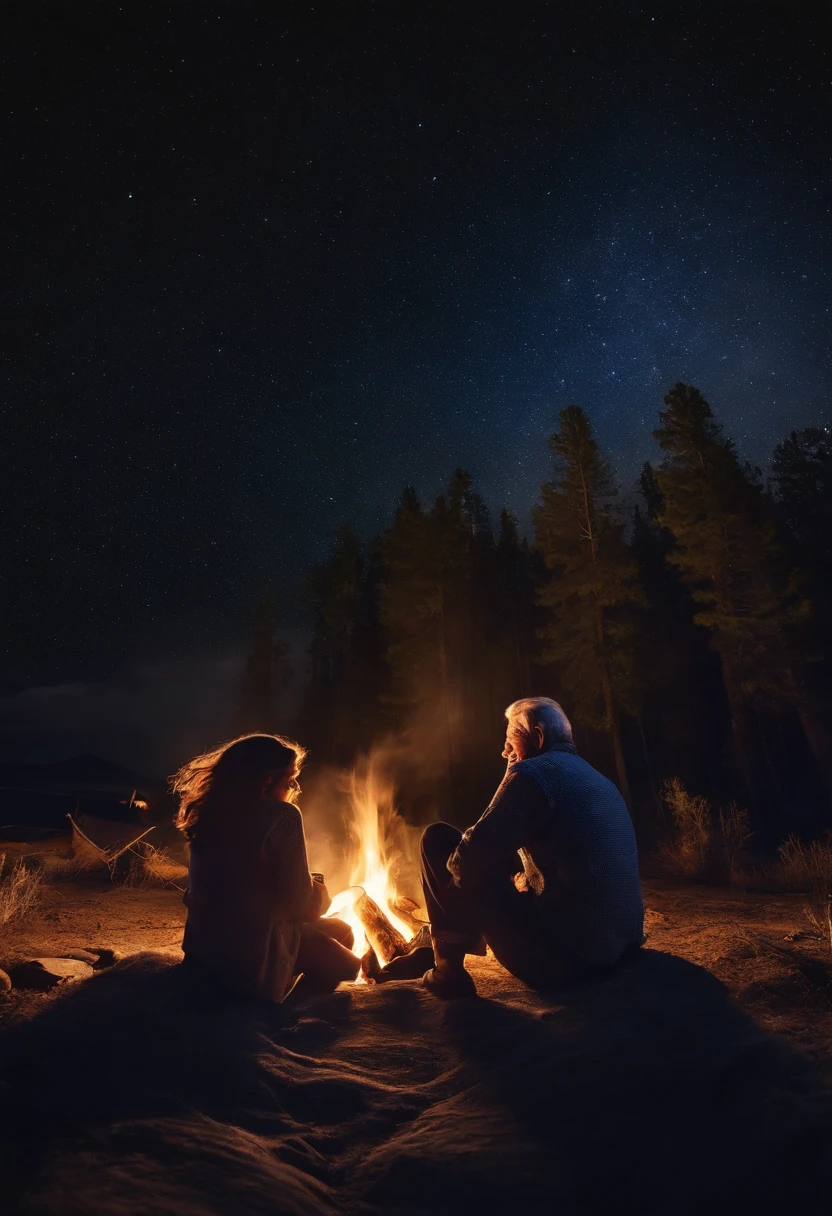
x=268, y=264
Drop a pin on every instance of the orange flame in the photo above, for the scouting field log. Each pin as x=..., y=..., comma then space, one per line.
x=377, y=850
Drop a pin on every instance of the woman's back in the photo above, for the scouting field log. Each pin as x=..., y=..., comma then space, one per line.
x=249, y=891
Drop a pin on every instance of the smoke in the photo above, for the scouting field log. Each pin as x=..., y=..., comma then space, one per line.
x=158, y=713
x=408, y=775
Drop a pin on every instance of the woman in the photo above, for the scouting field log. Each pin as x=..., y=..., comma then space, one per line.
x=254, y=910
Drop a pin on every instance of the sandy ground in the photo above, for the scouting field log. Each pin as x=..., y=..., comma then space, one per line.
x=659, y=1089
x=761, y=946
x=92, y=913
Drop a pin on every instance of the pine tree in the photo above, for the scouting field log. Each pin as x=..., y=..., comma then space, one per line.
x=801, y=476
x=334, y=591
x=343, y=703
x=678, y=678
x=437, y=574
x=410, y=599
x=593, y=581
x=801, y=479
x=727, y=551
x=513, y=593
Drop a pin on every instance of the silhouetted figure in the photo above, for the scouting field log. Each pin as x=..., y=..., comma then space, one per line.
x=576, y=908
x=254, y=911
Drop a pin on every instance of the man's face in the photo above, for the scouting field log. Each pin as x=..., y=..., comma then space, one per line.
x=520, y=744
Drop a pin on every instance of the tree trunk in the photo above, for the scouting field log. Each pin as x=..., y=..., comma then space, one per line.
x=743, y=747
x=611, y=710
x=820, y=743
x=767, y=756
x=618, y=751
x=657, y=802
x=520, y=667
x=813, y=727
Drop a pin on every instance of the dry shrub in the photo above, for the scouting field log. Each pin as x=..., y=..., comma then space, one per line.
x=142, y=865
x=139, y=865
x=808, y=867
x=163, y=868
x=20, y=889
x=688, y=852
x=805, y=866
x=706, y=846
x=72, y=868
x=735, y=833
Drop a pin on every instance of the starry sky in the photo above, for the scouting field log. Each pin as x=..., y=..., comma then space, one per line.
x=268, y=264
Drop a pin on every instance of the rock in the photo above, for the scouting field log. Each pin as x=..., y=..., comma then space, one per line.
x=5, y=982
x=41, y=974
x=82, y=956
x=105, y=957
x=740, y=951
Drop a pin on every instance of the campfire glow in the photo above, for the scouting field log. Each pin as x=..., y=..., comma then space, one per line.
x=376, y=853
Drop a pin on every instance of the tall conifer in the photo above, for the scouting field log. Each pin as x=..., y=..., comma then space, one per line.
x=513, y=594
x=678, y=676
x=334, y=590
x=801, y=477
x=344, y=701
x=727, y=550
x=593, y=579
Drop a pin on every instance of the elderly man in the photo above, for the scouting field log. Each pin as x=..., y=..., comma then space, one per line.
x=576, y=906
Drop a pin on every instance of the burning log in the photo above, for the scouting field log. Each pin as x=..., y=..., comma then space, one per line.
x=406, y=909
x=370, y=966
x=387, y=942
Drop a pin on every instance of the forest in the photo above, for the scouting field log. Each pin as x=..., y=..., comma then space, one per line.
x=687, y=638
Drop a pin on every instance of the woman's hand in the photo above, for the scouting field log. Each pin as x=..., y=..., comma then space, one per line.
x=321, y=898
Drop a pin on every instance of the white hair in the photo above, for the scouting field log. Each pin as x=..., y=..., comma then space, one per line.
x=545, y=713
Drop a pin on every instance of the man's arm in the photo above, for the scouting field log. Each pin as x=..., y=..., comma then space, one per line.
x=488, y=850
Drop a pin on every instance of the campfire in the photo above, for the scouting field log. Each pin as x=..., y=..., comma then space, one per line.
x=383, y=918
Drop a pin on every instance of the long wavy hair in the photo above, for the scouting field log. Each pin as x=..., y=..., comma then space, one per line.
x=218, y=787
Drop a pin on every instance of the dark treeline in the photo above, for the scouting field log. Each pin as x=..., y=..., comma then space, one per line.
x=689, y=639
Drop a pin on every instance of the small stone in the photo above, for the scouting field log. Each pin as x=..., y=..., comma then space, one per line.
x=105, y=957
x=655, y=920
x=5, y=982
x=41, y=974
x=82, y=956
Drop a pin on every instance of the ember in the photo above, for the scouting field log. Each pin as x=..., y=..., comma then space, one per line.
x=381, y=916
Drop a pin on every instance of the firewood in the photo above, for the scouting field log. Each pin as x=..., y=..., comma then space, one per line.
x=406, y=908
x=387, y=942
x=370, y=966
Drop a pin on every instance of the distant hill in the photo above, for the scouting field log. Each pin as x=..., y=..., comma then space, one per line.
x=44, y=794
x=78, y=775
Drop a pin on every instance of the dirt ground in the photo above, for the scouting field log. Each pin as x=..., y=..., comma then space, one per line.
x=657, y=1089
x=761, y=946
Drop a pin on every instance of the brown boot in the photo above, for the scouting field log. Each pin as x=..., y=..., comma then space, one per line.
x=408, y=966
x=449, y=984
